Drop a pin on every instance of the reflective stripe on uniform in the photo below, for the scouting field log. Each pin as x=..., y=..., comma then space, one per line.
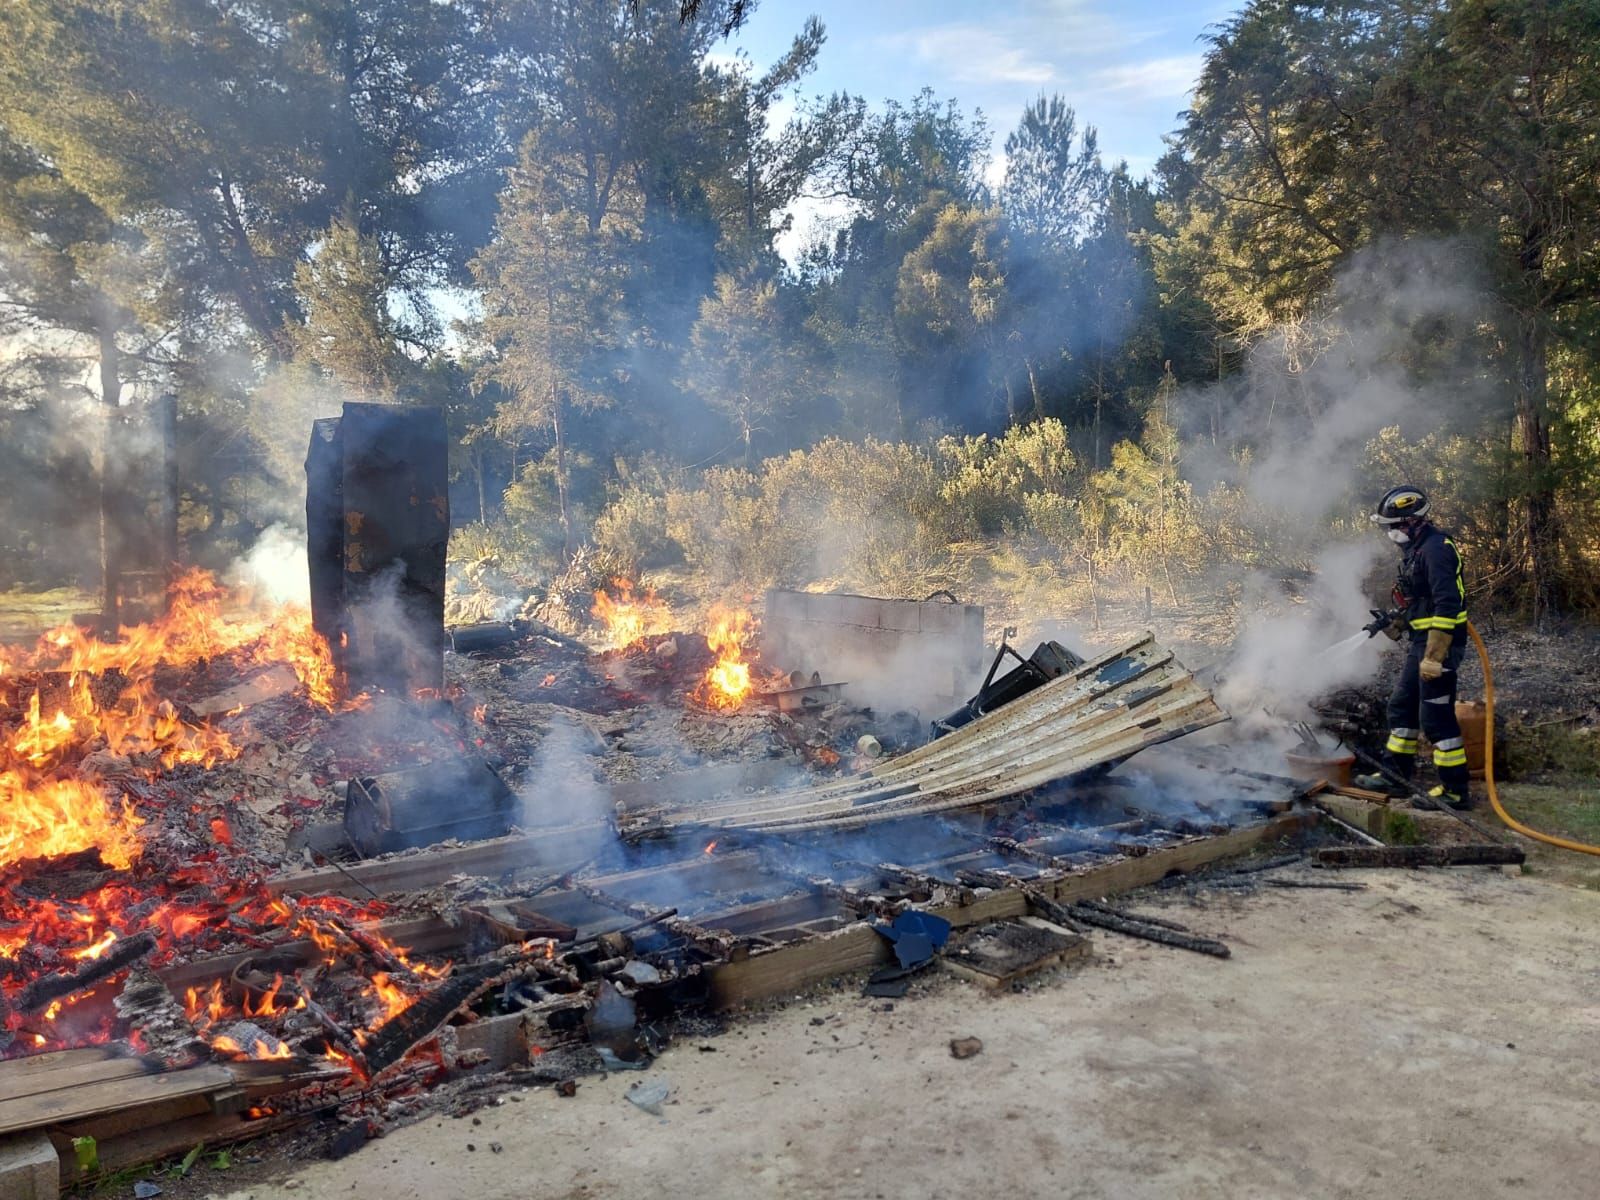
x=1399, y=745
x=1454, y=743
x=1449, y=758
x=1446, y=623
x=1398, y=732
x=1461, y=583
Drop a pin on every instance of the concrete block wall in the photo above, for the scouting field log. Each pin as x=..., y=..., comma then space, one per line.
x=893, y=654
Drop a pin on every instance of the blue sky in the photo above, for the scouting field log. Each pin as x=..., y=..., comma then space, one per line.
x=1126, y=67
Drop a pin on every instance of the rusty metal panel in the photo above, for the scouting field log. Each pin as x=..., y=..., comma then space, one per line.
x=1098, y=715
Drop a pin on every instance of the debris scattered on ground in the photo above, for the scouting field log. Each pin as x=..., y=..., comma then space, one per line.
x=965, y=1047
x=650, y=1095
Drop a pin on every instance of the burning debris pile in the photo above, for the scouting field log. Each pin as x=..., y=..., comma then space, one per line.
x=110, y=855
x=664, y=817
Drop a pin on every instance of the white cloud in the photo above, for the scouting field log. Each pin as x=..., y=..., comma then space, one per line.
x=971, y=54
x=1169, y=78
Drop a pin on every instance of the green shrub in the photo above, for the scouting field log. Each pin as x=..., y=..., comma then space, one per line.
x=631, y=531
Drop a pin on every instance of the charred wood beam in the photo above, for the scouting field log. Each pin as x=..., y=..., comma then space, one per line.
x=1268, y=864
x=1012, y=848
x=393, y=1040
x=994, y=880
x=1141, y=918
x=1076, y=915
x=1149, y=932
x=1327, y=886
x=118, y=957
x=1496, y=854
x=373, y=949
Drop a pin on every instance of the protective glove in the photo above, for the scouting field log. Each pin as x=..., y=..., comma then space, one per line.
x=1393, y=632
x=1432, y=665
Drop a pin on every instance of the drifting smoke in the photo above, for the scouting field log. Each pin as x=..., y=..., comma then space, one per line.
x=274, y=570
x=1289, y=651
x=562, y=789
x=1397, y=344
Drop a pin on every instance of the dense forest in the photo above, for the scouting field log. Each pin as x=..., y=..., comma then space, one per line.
x=1371, y=253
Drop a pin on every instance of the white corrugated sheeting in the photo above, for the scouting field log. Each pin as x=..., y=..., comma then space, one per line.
x=1099, y=714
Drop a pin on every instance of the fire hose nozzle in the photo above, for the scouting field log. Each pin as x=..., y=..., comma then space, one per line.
x=1380, y=621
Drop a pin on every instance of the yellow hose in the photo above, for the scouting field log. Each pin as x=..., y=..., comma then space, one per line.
x=1488, y=761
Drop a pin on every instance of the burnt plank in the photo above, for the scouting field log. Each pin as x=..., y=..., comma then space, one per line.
x=131, y=1094
x=1496, y=854
x=76, y=1075
x=14, y=1070
x=563, y=848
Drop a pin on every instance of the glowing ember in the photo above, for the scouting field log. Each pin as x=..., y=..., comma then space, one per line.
x=727, y=684
x=710, y=846
x=629, y=616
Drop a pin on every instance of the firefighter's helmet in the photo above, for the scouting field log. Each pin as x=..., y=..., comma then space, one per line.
x=1403, y=503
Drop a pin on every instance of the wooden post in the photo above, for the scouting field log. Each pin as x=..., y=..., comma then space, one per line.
x=167, y=416
x=110, y=478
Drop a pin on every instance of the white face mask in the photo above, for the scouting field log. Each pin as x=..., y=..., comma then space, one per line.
x=1398, y=536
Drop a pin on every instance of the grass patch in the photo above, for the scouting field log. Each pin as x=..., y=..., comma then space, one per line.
x=1568, y=808
x=1558, y=747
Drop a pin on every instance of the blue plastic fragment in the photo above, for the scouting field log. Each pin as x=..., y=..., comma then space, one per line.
x=915, y=936
x=935, y=928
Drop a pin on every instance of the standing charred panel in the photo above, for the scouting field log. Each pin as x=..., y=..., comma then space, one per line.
x=325, y=532
x=378, y=527
x=396, y=533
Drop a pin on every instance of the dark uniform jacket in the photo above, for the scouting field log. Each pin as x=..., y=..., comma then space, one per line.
x=1431, y=585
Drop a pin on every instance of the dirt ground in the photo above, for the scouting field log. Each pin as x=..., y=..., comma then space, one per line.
x=1431, y=1036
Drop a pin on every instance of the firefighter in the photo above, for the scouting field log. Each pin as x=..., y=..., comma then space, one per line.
x=1431, y=614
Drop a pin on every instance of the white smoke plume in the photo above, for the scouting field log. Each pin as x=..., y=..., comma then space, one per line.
x=274, y=570
x=1397, y=344
x=1291, y=650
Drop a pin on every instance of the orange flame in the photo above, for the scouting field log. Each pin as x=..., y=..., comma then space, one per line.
x=727, y=684
x=44, y=812
x=630, y=616
x=98, y=947
x=393, y=1000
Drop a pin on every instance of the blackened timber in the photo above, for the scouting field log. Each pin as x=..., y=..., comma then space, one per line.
x=1079, y=914
x=396, y=528
x=325, y=532
x=392, y=1040
x=1150, y=933
x=373, y=948
x=1142, y=918
x=1496, y=854
x=121, y=955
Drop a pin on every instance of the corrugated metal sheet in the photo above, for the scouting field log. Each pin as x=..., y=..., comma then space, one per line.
x=1100, y=714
